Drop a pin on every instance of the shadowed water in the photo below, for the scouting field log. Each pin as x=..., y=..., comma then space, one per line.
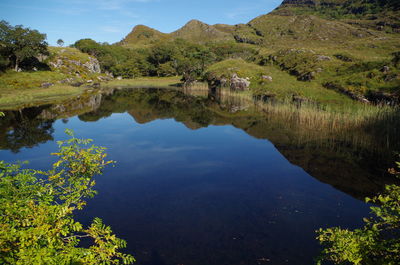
x=206, y=179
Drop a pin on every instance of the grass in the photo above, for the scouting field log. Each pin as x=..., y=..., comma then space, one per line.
x=283, y=84
x=12, y=82
x=158, y=82
x=68, y=52
x=25, y=88
x=364, y=126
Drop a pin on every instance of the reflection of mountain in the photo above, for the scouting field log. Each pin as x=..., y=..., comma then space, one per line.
x=357, y=168
x=334, y=159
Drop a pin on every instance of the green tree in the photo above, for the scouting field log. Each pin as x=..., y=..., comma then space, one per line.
x=60, y=42
x=18, y=43
x=377, y=243
x=36, y=211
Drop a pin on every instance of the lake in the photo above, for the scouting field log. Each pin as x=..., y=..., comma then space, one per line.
x=203, y=178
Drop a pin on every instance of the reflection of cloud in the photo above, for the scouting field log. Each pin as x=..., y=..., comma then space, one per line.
x=176, y=149
x=147, y=157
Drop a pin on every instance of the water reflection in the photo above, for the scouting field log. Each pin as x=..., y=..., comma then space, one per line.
x=357, y=169
x=199, y=178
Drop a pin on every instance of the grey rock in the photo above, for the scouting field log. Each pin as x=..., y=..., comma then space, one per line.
x=385, y=69
x=77, y=84
x=323, y=58
x=267, y=78
x=46, y=84
x=92, y=65
x=239, y=84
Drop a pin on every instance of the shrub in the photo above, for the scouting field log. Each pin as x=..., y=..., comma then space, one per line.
x=36, y=211
x=378, y=242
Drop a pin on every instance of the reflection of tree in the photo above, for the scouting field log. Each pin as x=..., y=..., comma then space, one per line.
x=339, y=159
x=358, y=170
x=19, y=129
x=146, y=105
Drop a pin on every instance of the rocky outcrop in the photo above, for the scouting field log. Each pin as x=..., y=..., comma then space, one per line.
x=65, y=64
x=378, y=97
x=92, y=65
x=239, y=84
x=346, y=92
x=46, y=85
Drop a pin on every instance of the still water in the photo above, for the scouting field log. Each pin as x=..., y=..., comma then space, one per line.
x=202, y=180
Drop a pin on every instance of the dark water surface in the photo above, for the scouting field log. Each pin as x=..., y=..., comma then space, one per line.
x=203, y=180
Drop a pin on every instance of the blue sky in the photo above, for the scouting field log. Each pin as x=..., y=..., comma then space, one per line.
x=110, y=20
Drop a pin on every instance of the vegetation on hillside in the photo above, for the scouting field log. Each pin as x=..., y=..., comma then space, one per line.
x=36, y=211
x=333, y=55
x=382, y=15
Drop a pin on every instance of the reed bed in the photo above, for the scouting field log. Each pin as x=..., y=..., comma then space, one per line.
x=367, y=126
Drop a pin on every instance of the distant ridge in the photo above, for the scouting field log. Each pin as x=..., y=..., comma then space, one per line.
x=293, y=20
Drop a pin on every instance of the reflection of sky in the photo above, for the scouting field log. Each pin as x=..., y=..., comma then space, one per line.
x=188, y=193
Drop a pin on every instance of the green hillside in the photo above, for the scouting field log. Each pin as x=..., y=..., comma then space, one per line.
x=197, y=31
x=383, y=15
x=345, y=47
x=142, y=35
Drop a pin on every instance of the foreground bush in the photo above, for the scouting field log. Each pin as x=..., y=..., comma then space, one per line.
x=36, y=211
x=378, y=242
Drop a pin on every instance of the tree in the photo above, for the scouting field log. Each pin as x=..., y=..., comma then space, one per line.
x=36, y=211
x=60, y=42
x=377, y=243
x=18, y=43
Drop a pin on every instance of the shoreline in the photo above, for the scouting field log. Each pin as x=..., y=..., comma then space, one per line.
x=35, y=96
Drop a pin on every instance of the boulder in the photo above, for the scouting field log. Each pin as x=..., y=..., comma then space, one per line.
x=77, y=84
x=307, y=76
x=104, y=78
x=239, y=84
x=266, y=78
x=94, y=85
x=93, y=65
x=385, y=69
x=323, y=58
x=46, y=84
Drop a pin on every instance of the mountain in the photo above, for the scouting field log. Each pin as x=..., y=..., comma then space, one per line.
x=346, y=6
x=197, y=31
x=326, y=21
x=193, y=31
x=381, y=15
x=143, y=35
